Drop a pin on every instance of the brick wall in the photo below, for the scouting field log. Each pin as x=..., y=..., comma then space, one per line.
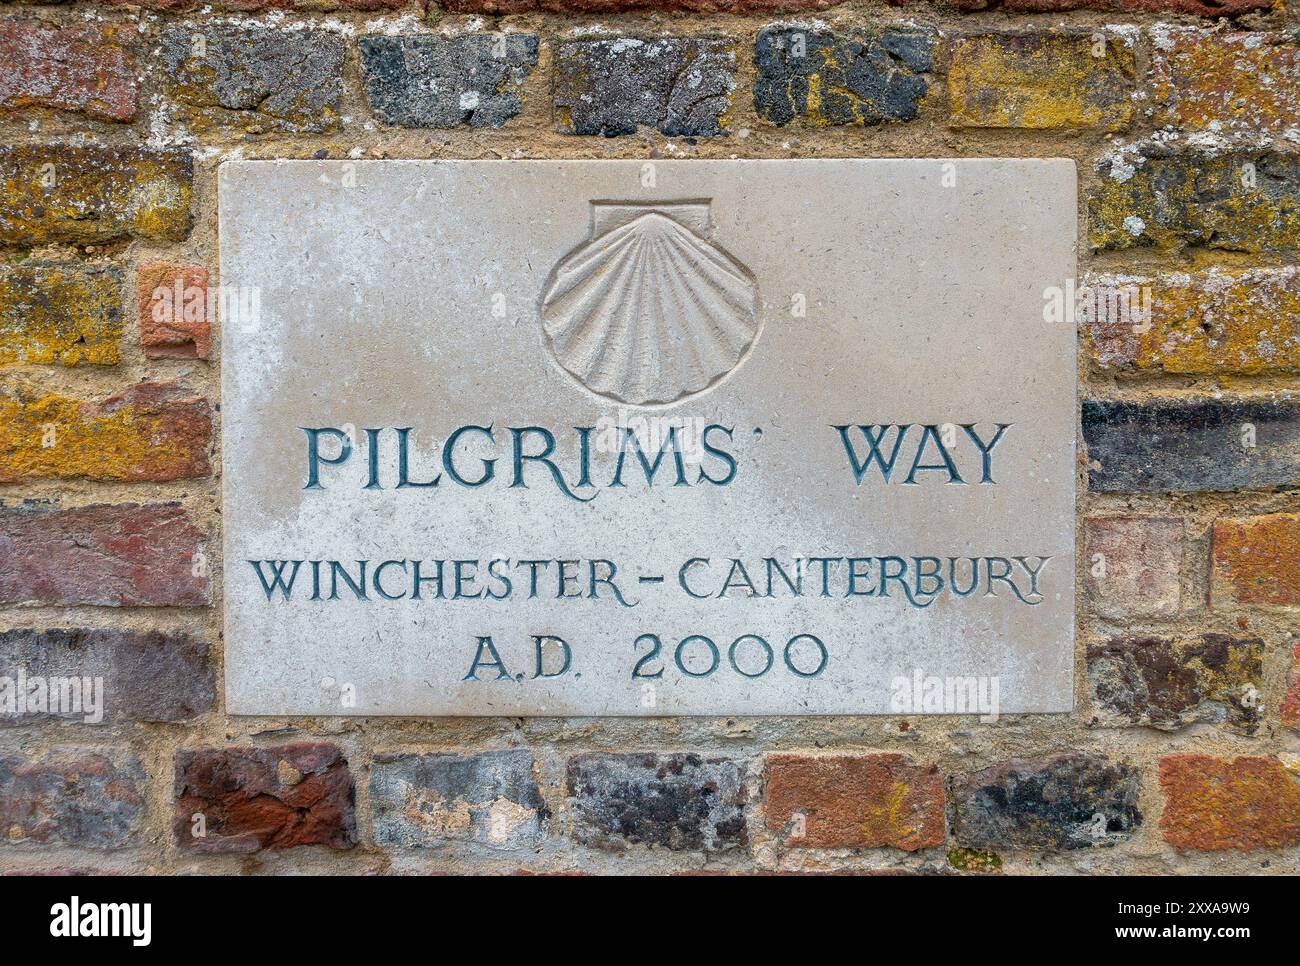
x=1183, y=754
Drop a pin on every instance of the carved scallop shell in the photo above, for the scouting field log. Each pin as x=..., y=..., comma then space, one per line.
x=648, y=311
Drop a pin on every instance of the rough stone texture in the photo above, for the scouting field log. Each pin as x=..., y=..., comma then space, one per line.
x=1134, y=565
x=1042, y=80
x=1178, y=198
x=1195, y=8
x=1213, y=804
x=681, y=86
x=255, y=6
x=85, y=195
x=1255, y=561
x=1192, y=446
x=253, y=77
x=824, y=78
x=85, y=68
x=447, y=81
x=502, y=7
x=64, y=313
x=1240, y=83
x=172, y=306
x=1208, y=323
x=80, y=798
x=1291, y=703
x=1169, y=682
x=426, y=800
x=151, y=431
x=854, y=801
x=147, y=676
x=680, y=802
x=264, y=798
x=1065, y=800
x=111, y=556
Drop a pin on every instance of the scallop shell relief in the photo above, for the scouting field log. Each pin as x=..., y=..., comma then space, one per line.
x=648, y=310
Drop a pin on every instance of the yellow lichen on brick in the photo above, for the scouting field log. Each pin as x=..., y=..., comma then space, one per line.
x=85, y=195
x=59, y=314
x=1041, y=81
x=1234, y=82
x=149, y=432
x=1214, y=323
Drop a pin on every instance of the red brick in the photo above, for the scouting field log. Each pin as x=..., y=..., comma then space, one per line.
x=149, y=432
x=84, y=799
x=1133, y=564
x=111, y=556
x=264, y=798
x=173, y=310
x=83, y=68
x=1254, y=561
x=854, y=801
x=1213, y=804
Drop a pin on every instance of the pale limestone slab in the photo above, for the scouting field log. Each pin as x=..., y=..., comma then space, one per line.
x=777, y=300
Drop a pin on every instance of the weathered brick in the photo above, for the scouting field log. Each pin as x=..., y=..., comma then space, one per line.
x=60, y=313
x=85, y=68
x=1134, y=565
x=253, y=77
x=77, y=798
x=111, y=556
x=151, y=431
x=147, y=676
x=854, y=801
x=1204, y=445
x=496, y=8
x=1234, y=82
x=1194, y=8
x=1213, y=804
x=1246, y=201
x=172, y=302
x=679, y=85
x=681, y=802
x=1208, y=323
x=1170, y=682
x=1051, y=79
x=427, y=800
x=257, y=6
x=429, y=81
x=1256, y=560
x=246, y=799
x=86, y=195
x=825, y=78
x=1291, y=702
x=1065, y=800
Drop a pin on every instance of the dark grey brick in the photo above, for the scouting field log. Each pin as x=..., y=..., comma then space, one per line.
x=681, y=802
x=253, y=76
x=680, y=85
x=446, y=81
x=1066, y=800
x=424, y=800
x=147, y=676
x=1167, y=447
x=829, y=78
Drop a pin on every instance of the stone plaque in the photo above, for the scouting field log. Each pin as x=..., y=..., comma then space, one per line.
x=666, y=438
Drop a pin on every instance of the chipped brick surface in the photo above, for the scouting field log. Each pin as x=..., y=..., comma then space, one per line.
x=444, y=82
x=1215, y=804
x=679, y=86
x=81, y=798
x=83, y=68
x=60, y=313
x=264, y=798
